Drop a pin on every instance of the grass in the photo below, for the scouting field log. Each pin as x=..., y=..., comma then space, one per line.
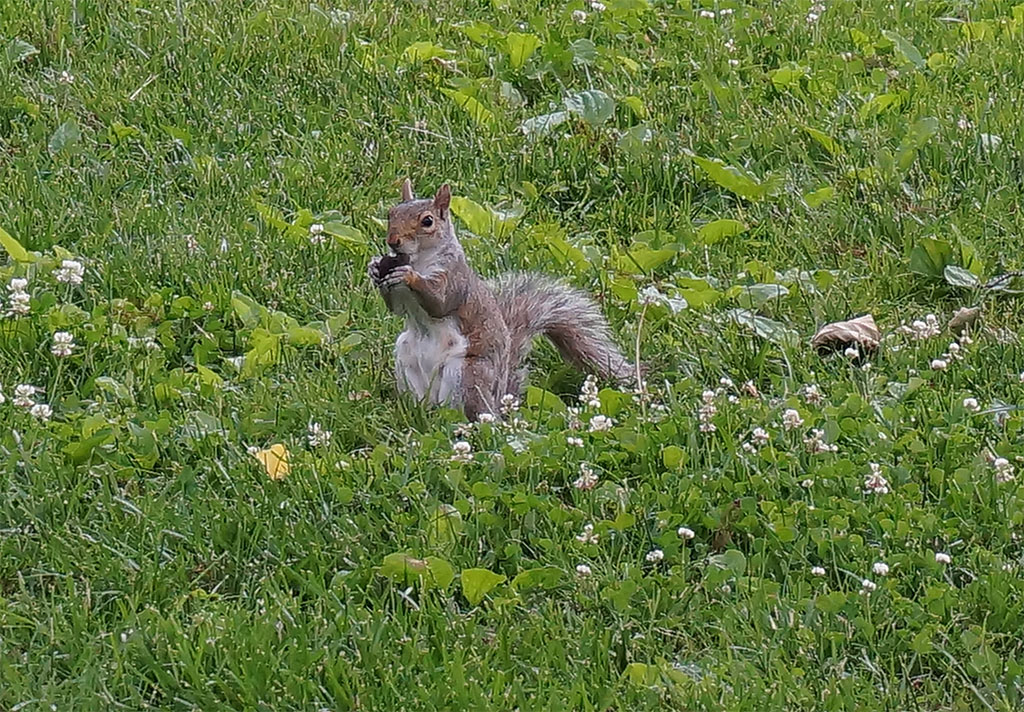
x=147, y=560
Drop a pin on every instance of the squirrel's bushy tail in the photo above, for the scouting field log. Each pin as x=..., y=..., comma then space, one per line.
x=535, y=304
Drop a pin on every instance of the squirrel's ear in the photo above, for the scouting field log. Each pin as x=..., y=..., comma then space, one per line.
x=443, y=198
x=407, y=191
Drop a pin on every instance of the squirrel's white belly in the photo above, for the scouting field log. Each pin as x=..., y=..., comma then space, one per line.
x=429, y=356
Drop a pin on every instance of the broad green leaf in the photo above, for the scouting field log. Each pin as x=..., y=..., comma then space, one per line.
x=818, y=197
x=637, y=106
x=769, y=329
x=247, y=309
x=479, y=32
x=906, y=48
x=477, y=111
x=930, y=257
x=831, y=602
x=404, y=569
x=825, y=140
x=737, y=180
x=635, y=139
x=272, y=216
x=593, y=106
x=114, y=387
x=477, y=218
x=13, y=247
x=938, y=61
x=477, y=583
x=545, y=577
x=445, y=525
x=19, y=50
x=424, y=51
x=959, y=277
x=697, y=292
x=542, y=125
x=641, y=674
x=880, y=104
x=544, y=400
x=345, y=233
x=66, y=136
x=753, y=296
x=788, y=76
x=718, y=230
x=732, y=560
x=81, y=450
x=305, y=336
x=673, y=456
x=180, y=135
x=520, y=47
x=641, y=260
x=584, y=51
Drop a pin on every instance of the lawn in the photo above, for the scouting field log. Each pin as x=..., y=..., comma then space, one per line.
x=190, y=192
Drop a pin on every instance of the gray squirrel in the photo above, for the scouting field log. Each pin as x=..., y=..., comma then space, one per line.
x=466, y=340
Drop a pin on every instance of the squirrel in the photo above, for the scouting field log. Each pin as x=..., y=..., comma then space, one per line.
x=465, y=339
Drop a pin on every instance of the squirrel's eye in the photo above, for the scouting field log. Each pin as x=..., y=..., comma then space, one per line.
x=427, y=221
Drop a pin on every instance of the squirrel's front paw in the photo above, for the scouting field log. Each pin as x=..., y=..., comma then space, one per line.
x=396, y=277
x=373, y=269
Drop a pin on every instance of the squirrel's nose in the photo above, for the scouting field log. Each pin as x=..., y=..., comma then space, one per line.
x=394, y=242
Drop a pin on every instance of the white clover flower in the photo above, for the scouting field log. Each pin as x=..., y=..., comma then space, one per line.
x=760, y=436
x=875, y=483
x=851, y=352
x=655, y=555
x=588, y=536
x=597, y=6
x=41, y=411
x=66, y=77
x=726, y=12
x=707, y=14
x=589, y=393
x=922, y=329
x=807, y=484
x=574, y=442
x=726, y=382
x=486, y=418
x=23, y=395
x=587, y=479
x=812, y=394
x=942, y=558
x=815, y=443
x=846, y=56
x=208, y=306
x=317, y=436
x=317, y=236
x=734, y=62
x=63, y=344
x=601, y=423
x=791, y=419
x=685, y=533
x=939, y=364
x=462, y=452
x=817, y=571
x=867, y=586
x=964, y=124
x=17, y=284
x=20, y=304
x=880, y=568
x=971, y=404
x=509, y=404
x=70, y=272
x=579, y=15
x=583, y=570
x=750, y=389
x=1004, y=470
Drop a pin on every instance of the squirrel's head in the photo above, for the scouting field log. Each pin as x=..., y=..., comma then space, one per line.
x=419, y=225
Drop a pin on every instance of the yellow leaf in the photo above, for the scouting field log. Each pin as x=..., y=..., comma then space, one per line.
x=275, y=460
